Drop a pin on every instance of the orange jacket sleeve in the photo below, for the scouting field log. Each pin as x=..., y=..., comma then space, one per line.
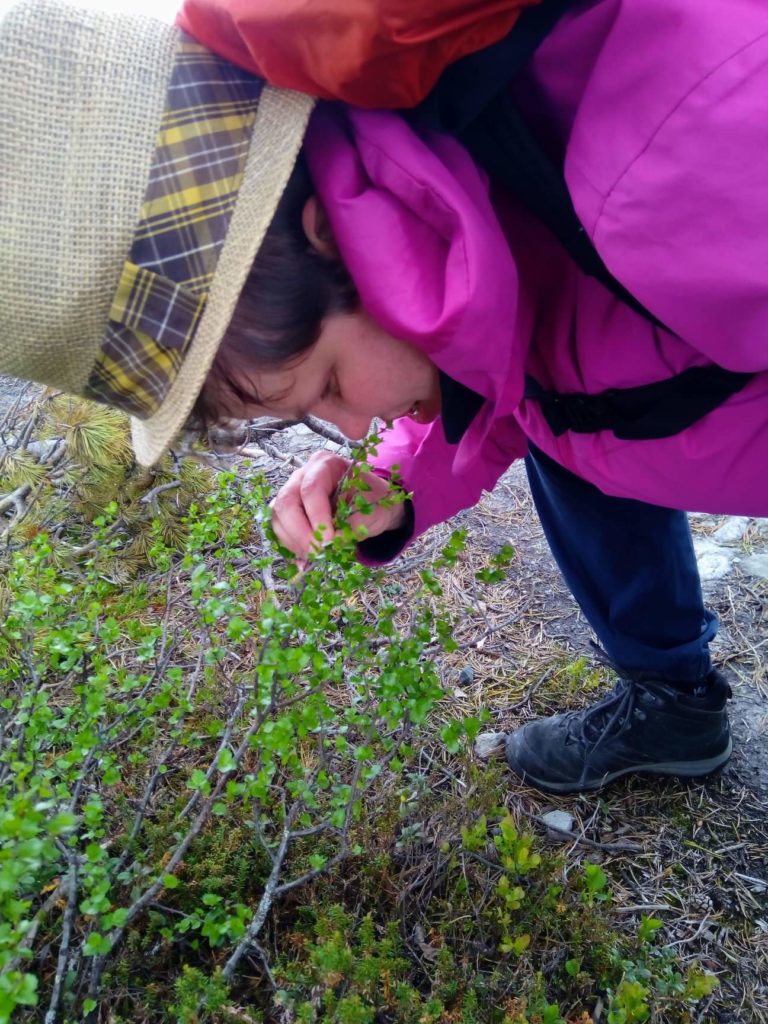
x=370, y=53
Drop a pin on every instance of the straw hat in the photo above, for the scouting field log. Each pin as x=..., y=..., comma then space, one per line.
x=138, y=175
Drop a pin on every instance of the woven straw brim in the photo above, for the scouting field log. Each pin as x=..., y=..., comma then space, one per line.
x=278, y=132
x=82, y=94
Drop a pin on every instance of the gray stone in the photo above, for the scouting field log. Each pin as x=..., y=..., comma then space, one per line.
x=733, y=529
x=558, y=822
x=714, y=561
x=755, y=565
x=489, y=744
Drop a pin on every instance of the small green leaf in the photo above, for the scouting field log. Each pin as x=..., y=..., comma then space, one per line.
x=96, y=945
x=226, y=761
x=197, y=780
x=648, y=928
x=451, y=736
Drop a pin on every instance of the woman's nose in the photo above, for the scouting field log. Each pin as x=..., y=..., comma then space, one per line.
x=353, y=425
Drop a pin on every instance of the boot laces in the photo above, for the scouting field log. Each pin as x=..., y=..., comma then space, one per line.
x=608, y=717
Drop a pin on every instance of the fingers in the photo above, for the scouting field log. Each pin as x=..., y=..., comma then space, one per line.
x=304, y=504
x=381, y=517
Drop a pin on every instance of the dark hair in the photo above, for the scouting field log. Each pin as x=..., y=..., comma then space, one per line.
x=289, y=291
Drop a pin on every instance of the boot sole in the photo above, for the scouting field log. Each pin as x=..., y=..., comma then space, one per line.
x=675, y=769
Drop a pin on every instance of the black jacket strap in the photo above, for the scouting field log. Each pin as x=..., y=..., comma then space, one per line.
x=471, y=101
x=643, y=413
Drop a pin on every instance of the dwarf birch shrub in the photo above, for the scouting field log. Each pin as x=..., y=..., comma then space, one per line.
x=223, y=695
x=209, y=793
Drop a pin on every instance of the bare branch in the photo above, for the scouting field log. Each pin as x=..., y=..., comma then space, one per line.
x=330, y=433
x=16, y=499
x=150, y=496
x=66, y=933
x=265, y=448
x=69, y=552
x=265, y=903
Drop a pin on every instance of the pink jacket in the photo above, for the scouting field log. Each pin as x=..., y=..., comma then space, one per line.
x=660, y=109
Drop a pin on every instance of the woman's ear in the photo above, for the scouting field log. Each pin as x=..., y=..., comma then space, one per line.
x=318, y=230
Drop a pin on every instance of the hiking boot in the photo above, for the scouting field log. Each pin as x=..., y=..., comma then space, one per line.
x=641, y=726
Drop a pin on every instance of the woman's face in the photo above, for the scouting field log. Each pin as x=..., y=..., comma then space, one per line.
x=354, y=372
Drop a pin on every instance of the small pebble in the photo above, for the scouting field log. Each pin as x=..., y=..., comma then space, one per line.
x=558, y=820
x=490, y=744
x=466, y=676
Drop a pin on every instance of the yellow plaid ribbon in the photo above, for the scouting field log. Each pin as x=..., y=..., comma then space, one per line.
x=196, y=173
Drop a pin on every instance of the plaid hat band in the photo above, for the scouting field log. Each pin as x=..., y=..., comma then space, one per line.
x=195, y=176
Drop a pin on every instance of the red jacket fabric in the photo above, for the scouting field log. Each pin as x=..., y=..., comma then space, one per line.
x=370, y=53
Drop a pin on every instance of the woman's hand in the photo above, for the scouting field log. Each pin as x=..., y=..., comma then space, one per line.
x=307, y=502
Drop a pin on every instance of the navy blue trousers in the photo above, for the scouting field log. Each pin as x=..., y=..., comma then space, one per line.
x=632, y=569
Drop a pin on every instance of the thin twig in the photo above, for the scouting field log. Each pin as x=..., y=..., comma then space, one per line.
x=582, y=840
x=325, y=430
x=263, y=907
x=66, y=933
x=93, y=545
x=265, y=448
x=150, y=496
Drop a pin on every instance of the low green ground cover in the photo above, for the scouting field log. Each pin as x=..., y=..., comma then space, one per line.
x=222, y=783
